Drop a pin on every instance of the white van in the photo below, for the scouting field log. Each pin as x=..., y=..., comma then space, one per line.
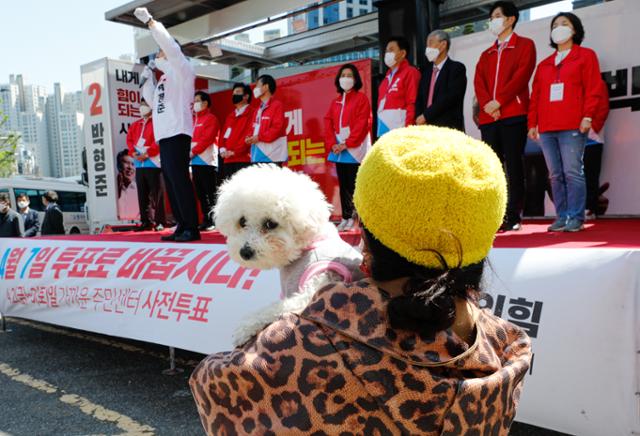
x=72, y=198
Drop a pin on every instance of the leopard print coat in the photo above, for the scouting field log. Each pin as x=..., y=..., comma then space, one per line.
x=339, y=369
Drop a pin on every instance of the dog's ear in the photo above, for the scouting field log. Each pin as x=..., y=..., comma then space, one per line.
x=309, y=211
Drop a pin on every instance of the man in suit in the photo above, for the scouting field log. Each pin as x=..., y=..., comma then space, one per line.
x=442, y=86
x=53, y=222
x=29, y=216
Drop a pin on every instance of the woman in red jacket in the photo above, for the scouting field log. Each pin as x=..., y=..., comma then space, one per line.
x=564, y=100
x=347, y=131
x=204, y=156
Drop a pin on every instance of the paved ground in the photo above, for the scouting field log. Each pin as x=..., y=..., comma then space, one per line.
x=56, y=381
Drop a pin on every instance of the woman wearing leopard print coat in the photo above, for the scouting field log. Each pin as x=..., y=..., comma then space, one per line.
x=406, y=351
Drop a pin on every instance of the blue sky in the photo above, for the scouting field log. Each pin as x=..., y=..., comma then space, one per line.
x=48, y=40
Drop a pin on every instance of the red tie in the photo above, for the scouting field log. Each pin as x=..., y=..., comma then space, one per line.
x=432, y=85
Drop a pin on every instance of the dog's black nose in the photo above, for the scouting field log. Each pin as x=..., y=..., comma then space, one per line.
x=247, y=252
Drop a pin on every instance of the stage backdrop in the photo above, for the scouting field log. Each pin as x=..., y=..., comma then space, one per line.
x=612, y=31
x=306, y=98
x=581, y=308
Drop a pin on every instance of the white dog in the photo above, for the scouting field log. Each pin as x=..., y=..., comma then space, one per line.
x=273, y=217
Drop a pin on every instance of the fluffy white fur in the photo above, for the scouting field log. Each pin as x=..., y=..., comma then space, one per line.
x=248, y=206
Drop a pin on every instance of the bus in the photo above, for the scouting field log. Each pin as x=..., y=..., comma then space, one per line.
x=72, y=198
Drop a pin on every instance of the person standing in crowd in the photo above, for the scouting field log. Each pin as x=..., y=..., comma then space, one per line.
x=269, y=139
x=173, y=125
x=502, y=87
x=347, y=132
x=11, y=225
x=566, y=93
x=398, y=91
x=29, y=216
x=405, y=351
x=146, y=156
x=237, y=127
x=204, y=156
x=442, y=87
x=593, y=155
x=53, y=222
x=127, y=188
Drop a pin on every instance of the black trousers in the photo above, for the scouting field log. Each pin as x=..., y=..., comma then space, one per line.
x=592, y=167
x=204, y=179
x=230, y=168
x=174, y=154
x=537, y=184
x=150, y=196
x=508, y=138
x=347, y=179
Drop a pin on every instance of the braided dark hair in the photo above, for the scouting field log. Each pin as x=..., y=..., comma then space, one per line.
x=428, y=304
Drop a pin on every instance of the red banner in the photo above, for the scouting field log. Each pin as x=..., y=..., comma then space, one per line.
x=306, y=98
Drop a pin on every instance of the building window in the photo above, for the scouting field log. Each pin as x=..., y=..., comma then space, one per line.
x=349, y=12
x=364, y=2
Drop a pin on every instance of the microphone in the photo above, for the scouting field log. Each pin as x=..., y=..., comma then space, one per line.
x=151, y=64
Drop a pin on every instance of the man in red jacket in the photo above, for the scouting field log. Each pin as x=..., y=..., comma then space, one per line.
x=204, y=156
x=237, y=127
x=502, y=89
x=145, y=152
x=398, y=91
x=269, y=139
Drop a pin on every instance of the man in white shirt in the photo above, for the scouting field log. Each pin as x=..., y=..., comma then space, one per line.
x=173, y=125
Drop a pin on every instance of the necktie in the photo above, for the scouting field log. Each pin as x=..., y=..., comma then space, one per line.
x=432, y=85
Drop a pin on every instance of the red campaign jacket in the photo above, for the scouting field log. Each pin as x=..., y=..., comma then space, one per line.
x=408, y=82
x=273, y=124
x=239, y=128
x=603, y=109
x=580, y=73
x=517, y=62
x=356, y=115
x=133, y=135
x=206, y=130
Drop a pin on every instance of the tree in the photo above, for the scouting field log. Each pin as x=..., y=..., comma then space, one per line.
x=8, y=145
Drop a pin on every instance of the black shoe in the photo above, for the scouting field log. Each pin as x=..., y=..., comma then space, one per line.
x=510, y=226
x=144, y=227
x=171, y=237
x=206, y=226
x=188, y=236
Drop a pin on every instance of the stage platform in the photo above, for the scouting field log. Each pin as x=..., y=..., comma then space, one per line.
x=602, y=233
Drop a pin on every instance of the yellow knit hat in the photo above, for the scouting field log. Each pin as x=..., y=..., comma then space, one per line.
x=419, y=187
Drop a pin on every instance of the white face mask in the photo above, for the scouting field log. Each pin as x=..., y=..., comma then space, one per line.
x=197, y=106
x=23, y=204
x=145, y=110
x=4, y=208
x=346, y=83
x=163, y=64
x=496, y=25
x=432, y=53
x=561, y=34
x=390, y=59
x=257, y=91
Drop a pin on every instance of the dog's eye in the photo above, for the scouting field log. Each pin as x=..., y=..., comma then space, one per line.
x=269, y=225
x=243, y=222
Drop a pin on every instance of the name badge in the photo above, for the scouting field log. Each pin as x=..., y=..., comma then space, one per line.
x=557, y=92
x=140, y=148
x=227, y=134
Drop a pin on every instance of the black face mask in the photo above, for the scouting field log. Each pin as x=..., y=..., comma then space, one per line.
x=237, y=98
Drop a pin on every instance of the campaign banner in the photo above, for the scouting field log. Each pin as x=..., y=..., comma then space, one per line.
x=306, y=98
x=188, y=297
x=97, y=131
x=124, y=92
x=581, y=308
x=611, y=28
